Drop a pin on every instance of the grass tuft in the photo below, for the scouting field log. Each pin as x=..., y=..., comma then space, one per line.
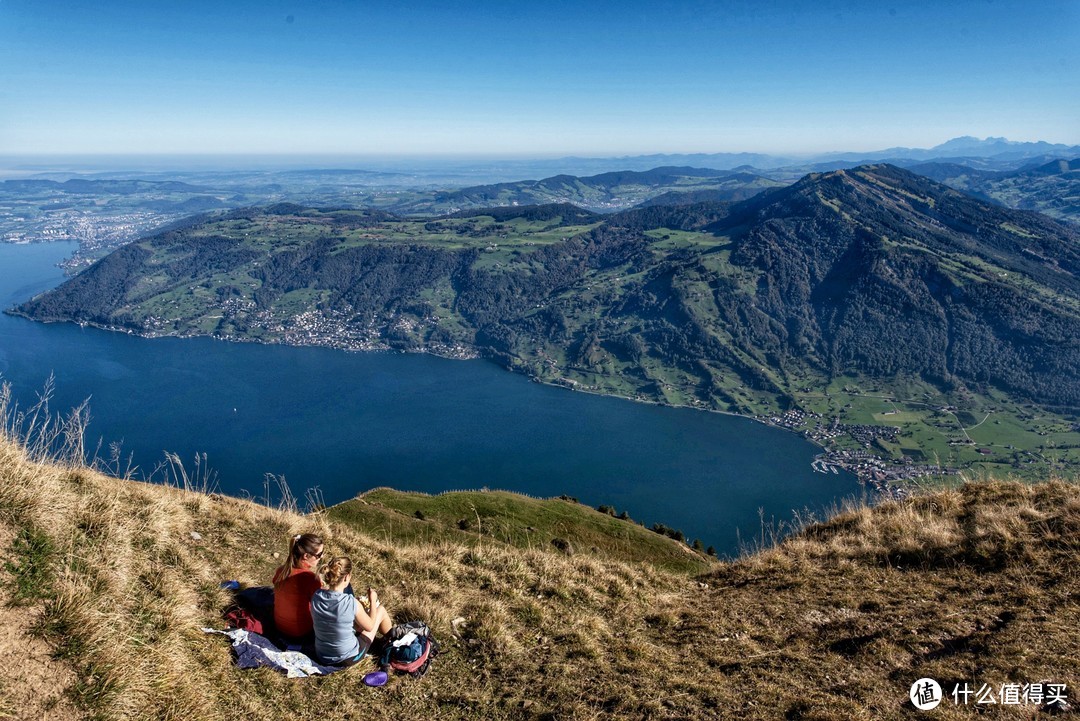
x=29, y=563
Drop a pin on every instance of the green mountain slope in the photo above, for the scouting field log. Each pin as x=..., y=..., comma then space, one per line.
x=787, y=301
x=603, y=192
x=479, y=518
x=884, y=272
x=1052, y=188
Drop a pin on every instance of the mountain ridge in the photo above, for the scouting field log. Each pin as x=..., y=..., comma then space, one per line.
x=605, y=192
x=943, y=221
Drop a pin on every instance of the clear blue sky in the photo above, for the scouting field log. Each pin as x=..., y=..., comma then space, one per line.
x=532, y=78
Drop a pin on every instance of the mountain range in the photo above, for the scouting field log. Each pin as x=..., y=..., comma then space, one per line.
x=990, y=153
x=1052, y=188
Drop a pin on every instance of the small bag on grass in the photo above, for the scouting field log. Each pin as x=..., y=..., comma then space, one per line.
x=243, y=619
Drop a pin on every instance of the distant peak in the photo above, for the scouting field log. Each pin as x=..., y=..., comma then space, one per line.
x=971, y=142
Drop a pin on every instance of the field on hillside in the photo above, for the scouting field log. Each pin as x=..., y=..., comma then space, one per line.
x=354, y=228
x=984, y=434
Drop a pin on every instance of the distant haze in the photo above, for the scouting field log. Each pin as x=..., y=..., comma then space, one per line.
x=532, y=79
x=447, y=169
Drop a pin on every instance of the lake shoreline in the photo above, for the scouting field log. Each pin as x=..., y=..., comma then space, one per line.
x=884, y=490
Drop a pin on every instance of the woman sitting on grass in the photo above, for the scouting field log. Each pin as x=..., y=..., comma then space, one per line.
x=295, y=583
x=344, y=630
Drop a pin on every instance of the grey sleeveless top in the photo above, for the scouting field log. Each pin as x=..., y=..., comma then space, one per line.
x=333, y=613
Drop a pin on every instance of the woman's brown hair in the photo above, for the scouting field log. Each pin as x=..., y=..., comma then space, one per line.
x=305, y=543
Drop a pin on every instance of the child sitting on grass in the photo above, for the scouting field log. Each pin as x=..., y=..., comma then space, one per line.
x=344, y=630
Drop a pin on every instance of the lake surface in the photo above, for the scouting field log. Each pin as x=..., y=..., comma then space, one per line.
x=347, y=422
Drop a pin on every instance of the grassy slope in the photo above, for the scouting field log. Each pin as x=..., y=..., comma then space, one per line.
x=514, y=520
x=975, y=584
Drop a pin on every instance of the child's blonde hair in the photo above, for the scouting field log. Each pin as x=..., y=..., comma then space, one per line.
x=336, y=570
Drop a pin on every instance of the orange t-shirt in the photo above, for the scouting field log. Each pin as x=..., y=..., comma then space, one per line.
x=292, y=603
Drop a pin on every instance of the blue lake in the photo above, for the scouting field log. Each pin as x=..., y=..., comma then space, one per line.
x=347, y=422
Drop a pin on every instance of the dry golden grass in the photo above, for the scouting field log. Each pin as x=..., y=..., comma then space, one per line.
x=977, y=584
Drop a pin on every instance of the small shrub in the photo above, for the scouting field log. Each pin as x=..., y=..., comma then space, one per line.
x=563, y=545
x=530, y=614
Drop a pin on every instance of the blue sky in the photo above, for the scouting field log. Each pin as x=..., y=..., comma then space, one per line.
x=532, y=79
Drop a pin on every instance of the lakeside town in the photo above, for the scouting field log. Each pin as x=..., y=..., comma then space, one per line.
x=890, y=477
x=337, y=328
x=97, y=232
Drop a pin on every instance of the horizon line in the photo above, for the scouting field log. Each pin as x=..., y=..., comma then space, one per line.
x=500, y=155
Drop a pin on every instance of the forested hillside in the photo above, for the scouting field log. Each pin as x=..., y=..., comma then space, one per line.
x=754, y=307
